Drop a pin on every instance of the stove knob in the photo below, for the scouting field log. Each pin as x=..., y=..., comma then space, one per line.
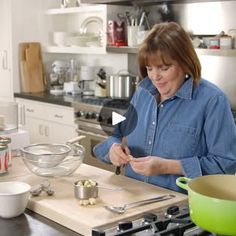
x=100, y=118
x=88, y=115
x=94, y=115
x=97, y=232
x=124, y=225
x=150, y=217
x=109, y=120
x=79, y=114
x=172, y=210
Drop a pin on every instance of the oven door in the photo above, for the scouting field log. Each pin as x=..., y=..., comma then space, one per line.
x=89, y=143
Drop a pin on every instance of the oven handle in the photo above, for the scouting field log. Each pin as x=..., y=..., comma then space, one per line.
x=90, y=133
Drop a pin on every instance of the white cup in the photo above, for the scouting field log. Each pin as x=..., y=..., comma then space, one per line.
x=141, y=35
x=132, y=32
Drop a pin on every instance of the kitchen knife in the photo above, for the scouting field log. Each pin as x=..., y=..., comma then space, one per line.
x=123, y=144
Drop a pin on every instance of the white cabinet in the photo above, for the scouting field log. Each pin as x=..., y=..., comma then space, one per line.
x=6, y=88
x=46, y=122
x=19, y=22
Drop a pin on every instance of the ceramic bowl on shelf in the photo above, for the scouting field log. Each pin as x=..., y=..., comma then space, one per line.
x=81, y=40
x=60, y=38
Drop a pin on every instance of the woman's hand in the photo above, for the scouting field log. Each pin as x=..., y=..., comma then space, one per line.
x=153, y=165
x=119, y=154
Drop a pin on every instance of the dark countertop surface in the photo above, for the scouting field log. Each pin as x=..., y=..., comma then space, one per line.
x=33, y=224
x=64, y=100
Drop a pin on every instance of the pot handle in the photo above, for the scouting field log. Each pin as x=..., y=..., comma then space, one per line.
x=123, y=72
x=182, y=182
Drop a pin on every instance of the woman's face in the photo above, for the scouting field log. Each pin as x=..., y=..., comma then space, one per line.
x=167, y=78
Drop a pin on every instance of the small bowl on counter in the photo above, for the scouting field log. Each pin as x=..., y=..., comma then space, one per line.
x=85, y=189
x=14, y=197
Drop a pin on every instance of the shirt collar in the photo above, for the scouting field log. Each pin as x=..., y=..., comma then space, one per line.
x=185, y=91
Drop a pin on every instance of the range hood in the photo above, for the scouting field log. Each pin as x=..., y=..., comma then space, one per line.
x=145, y=2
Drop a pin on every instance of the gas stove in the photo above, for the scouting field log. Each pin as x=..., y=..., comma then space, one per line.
x=96, y=113
x=173, y=221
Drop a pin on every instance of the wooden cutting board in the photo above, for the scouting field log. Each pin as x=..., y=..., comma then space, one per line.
x=65, y=209
x=31, y=67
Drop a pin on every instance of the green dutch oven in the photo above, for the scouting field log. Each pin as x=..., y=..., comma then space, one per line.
x=212, y=202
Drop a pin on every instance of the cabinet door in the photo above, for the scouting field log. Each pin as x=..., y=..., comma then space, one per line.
x=6, y=90
x=60, y=133
x=39, y=130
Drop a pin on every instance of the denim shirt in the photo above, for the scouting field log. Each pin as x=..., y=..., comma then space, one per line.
x=194, y=126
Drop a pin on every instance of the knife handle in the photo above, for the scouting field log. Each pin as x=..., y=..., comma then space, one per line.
x=117, y=170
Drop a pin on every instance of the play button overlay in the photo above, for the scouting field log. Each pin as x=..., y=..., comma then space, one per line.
x=117, y=118
x=117, y=114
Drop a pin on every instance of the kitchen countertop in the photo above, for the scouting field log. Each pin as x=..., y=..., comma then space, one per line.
x=64, y=208
x=64, y=100
x=31, y=223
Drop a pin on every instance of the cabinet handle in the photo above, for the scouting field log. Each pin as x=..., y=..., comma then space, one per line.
x=46, y=129
x=41, y=130
x=30, y=110
x=58, y=116
x=22, y=115
x=4, y=60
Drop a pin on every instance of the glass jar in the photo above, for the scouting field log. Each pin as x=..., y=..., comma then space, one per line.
x=3, y=160
x=8, y=117
x=5, y=141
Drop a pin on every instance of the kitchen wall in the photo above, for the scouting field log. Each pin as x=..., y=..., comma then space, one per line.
x=207, y=18
x=198, y=18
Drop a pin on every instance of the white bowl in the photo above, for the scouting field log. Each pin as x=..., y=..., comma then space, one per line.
x=14, y=197
x=60, y=38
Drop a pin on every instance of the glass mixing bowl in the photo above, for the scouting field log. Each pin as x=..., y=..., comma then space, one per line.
x=45, y=155
x=66, y=167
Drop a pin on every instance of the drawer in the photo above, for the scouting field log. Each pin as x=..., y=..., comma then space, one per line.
x=62, y=115
x=33, y=110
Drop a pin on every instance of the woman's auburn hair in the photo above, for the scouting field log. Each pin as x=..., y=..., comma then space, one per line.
x=169, y=41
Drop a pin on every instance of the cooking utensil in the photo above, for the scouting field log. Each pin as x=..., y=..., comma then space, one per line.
x=45, y=155
x=14, y=197
x=121, y=85
x=123, y=143
x=52, y=160
x=212, y=202
x=44, y=186
x=31, y=67
x=112, y=189
x=66, y=167
x=123, y=208
x=85, y=192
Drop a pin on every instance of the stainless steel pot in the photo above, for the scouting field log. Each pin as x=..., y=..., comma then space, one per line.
x=121, y=85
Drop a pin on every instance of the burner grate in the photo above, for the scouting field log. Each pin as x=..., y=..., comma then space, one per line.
x=177, y=223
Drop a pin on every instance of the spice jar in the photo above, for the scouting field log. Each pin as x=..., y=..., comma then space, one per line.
x=5, y=141
x=3, y=159
x=214, y=43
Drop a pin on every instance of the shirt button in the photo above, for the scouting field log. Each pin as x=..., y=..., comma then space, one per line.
x=153, y=123
x=150, y=142
x=162, y=105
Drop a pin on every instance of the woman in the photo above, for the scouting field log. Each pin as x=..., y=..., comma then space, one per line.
x=185, y=125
